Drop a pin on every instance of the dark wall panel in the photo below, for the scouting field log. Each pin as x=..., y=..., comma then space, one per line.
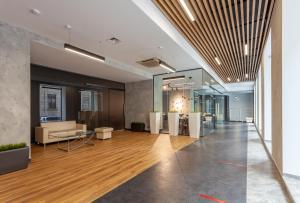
x=116, y=109
x=110, y=93
x=72, y=103
x=34, y=107
x=50, y=75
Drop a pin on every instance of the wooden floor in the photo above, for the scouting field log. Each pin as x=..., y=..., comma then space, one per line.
x=89, y=172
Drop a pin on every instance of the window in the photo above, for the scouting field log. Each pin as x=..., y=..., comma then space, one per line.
x=51, y=103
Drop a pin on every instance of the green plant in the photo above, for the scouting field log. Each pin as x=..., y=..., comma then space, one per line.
x=12, y=146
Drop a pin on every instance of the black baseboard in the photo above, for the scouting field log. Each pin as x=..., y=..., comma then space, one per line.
x=129, y=129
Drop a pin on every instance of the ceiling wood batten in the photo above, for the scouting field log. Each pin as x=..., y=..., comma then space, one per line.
x=221, y=29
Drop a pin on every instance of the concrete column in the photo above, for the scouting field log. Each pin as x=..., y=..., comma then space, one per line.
x=14, y=85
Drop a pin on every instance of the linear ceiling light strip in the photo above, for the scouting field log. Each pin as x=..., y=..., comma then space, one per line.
x=83, y=52
x=181, y=77
x=167, y=67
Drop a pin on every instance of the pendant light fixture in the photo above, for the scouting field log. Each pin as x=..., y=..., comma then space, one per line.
x=79, y=51
x=83, y=52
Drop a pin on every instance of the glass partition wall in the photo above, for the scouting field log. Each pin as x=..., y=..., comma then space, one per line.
x=189, y=91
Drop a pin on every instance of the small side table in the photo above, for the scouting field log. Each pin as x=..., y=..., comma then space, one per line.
x=103, y=133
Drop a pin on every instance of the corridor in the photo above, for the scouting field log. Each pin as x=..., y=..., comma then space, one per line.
x=229, y=165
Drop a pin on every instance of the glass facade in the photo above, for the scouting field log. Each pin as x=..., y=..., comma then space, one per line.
x=189, y=91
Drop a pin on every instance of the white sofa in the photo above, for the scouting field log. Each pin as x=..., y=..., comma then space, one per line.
x=49, y=131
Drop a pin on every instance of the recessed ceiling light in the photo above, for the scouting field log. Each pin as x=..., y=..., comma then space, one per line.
x=160, y=47
x=187, y=10
x=246, y=75
x=35, y=12
x=68, y=27
x=229, y=79
x=246, y=51
x=218, y=60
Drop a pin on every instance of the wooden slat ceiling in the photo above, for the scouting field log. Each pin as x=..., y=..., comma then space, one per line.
x=221, y=29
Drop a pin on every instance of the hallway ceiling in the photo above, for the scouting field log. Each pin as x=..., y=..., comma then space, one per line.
x=221, y=29
x=93, y=23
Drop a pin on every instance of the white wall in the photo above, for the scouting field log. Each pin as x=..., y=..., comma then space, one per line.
x=267, y=90
x=291, y=86
x=260, y=123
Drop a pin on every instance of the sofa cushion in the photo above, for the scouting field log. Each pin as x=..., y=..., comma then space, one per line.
x=59, y=125
x=62, y=133
x=103, y=130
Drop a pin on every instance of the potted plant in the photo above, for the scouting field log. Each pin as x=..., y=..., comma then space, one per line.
x=154, y=122
x=173, y=121
x=194, y=124
x=13, y=157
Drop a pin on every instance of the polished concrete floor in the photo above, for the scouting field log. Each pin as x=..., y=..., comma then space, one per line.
x=229, y=165
x=263, y=181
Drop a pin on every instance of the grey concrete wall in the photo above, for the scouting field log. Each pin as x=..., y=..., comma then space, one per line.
x=15, y=81
x=14, y=85
x=138, y=102
x=241, y=105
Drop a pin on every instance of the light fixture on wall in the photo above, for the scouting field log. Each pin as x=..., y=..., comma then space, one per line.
x=246, y=75
x=166, y=66
x=83, y=52
x=218, y=60
x=187, y=10
x=228, y=79
x=238, y=80
x=174, y=78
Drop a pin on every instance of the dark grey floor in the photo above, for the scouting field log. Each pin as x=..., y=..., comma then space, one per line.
x=214, y=166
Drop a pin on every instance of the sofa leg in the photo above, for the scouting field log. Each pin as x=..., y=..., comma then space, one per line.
x=44, y=146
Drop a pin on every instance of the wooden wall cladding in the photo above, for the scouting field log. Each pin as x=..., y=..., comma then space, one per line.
x=221, y=29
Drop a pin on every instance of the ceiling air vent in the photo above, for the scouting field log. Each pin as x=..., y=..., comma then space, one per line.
x=150, y=63
x=114, y=41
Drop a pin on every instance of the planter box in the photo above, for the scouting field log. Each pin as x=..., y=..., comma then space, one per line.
x=13, y=160
x=154, y=122
x=173, y=121
x=194, y=125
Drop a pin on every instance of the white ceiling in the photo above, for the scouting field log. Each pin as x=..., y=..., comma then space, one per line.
x=93, y=22
x=60, y=59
